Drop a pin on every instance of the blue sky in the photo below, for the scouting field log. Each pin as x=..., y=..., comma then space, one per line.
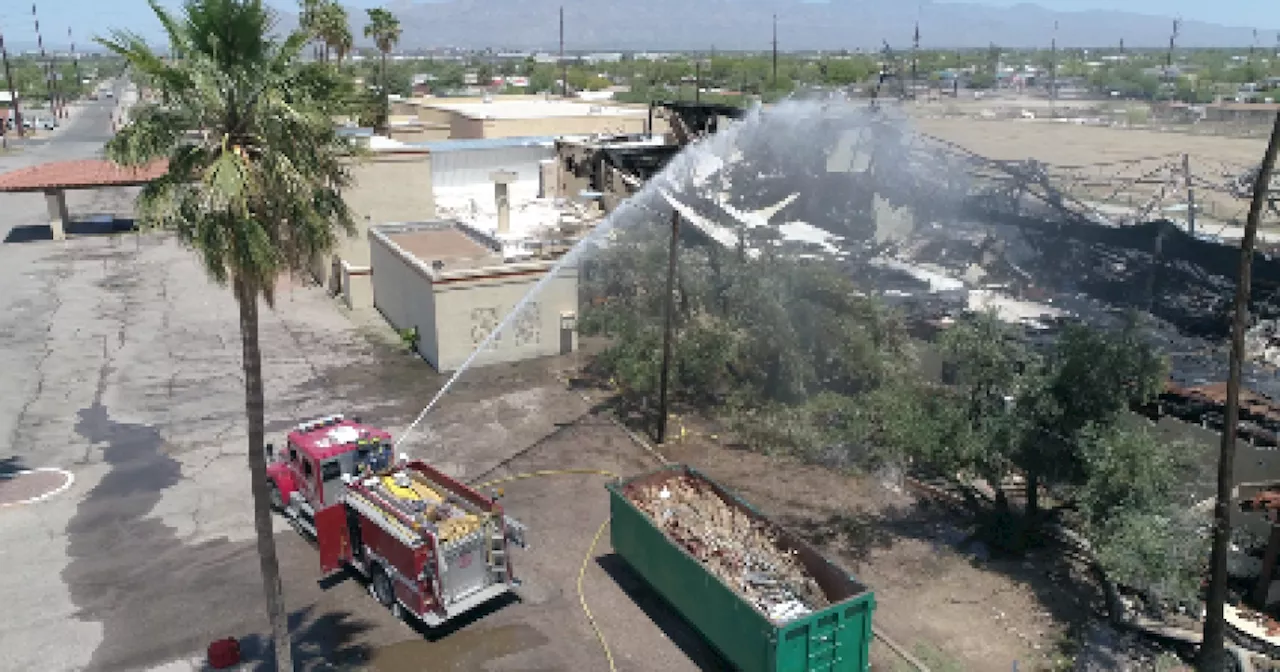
x=88, y=17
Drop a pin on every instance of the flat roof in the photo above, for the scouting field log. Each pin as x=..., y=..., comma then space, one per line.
x=448, y=244
x=537, y=109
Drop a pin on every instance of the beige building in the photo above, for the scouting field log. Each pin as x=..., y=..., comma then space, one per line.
x=388, y=185
x=519, y=116
x=453, y=285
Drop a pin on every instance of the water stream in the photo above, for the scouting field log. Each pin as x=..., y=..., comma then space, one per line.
x=785, y=142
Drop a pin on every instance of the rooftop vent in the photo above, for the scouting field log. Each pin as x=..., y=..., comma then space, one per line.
x=437, y=265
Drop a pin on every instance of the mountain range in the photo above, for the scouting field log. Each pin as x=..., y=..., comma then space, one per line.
x=738, y=25
x=623, y=25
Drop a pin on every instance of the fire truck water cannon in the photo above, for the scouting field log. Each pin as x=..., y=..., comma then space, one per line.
x=428, y=544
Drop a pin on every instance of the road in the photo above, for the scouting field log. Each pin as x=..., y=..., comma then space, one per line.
x=122, y=369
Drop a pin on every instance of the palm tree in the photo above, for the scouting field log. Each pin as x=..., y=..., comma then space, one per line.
x=256, y=195
x=307, y=21
x=384, y=28
x=334, y=30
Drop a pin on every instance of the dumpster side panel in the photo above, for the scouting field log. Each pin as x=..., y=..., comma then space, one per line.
x=836, y=639
x=734, y=628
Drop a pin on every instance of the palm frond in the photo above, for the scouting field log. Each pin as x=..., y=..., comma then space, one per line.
x=256, y=168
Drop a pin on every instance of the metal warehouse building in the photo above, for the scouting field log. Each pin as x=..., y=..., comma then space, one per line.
x=450, y=281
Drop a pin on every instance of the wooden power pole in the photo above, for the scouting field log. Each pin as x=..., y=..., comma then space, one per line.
x=669, y=327
x=13, y=89
x=1213, y=655
x=75, y=62
x=564, y=65
x=775, y=51
x=48, y=66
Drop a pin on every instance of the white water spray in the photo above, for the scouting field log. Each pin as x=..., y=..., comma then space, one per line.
x=785, y=129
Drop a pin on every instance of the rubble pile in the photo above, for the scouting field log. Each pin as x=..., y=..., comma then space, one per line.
x=1268, y=624
x=743, y=552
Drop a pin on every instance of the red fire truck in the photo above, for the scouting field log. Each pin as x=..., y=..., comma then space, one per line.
x=428, y=544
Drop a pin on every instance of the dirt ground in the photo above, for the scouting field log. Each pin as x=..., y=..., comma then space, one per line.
x=1072, y=145
x=947, y=606
x=938, y=597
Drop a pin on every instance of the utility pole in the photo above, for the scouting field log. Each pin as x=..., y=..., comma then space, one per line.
x=697, y=80
x=1168, y=58
x=1053, y=72
x=48, y=65
x=564, y=65
x=1212, y=654
x=1191, y=194
x=13, y=91
x=915, y=61
x=1122, y=46
x=775, y=51
x=669, y=327
x=75, y=61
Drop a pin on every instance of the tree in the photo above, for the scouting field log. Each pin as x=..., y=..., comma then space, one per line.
x=308, y=19
x=384, y=28
x=993, y=369
x=333, y=28
x=1092, y=378
x=1212, y=652
x=1136, y=513
x=255, y=195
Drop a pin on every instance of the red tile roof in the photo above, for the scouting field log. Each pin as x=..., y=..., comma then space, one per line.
x=84, y=174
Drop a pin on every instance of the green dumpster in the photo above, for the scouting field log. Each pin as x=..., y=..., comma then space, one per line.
x=836, y=638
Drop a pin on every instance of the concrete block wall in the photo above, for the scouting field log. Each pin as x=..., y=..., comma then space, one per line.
x=402, y=293
x=468, y=310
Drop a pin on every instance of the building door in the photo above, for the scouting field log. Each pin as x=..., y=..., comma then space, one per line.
x=568, y=325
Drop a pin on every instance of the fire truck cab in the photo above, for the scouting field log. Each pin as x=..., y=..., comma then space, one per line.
x=428, y=544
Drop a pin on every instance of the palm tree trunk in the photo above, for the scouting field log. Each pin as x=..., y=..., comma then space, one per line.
x=1213, y=656
x=268, y=562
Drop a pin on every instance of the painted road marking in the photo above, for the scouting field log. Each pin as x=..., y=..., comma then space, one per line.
x=68, y=479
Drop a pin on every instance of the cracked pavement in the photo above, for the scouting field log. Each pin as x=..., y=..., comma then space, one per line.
x=122, y=366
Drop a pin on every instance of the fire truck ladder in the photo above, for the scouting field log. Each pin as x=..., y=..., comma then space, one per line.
x=497, y=551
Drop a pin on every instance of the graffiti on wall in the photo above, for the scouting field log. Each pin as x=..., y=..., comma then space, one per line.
x=483, y=322
x=528, y=328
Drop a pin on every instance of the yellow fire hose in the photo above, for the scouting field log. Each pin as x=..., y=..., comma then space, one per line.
x=586, y=559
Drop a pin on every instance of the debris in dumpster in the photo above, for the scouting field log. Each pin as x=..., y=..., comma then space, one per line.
x=740, y=550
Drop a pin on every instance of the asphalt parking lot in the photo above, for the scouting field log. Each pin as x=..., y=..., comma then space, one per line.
x=122, y=370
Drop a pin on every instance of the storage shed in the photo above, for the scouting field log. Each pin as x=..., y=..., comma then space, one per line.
x=451, y=283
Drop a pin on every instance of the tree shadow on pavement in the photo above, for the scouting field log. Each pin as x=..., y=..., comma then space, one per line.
x=330, y=641
x=672, y=624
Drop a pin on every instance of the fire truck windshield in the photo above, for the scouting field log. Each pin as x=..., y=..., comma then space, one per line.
x=373, y=455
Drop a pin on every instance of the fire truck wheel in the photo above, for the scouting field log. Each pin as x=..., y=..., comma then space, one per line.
x=381, y=584
x=277, y=500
